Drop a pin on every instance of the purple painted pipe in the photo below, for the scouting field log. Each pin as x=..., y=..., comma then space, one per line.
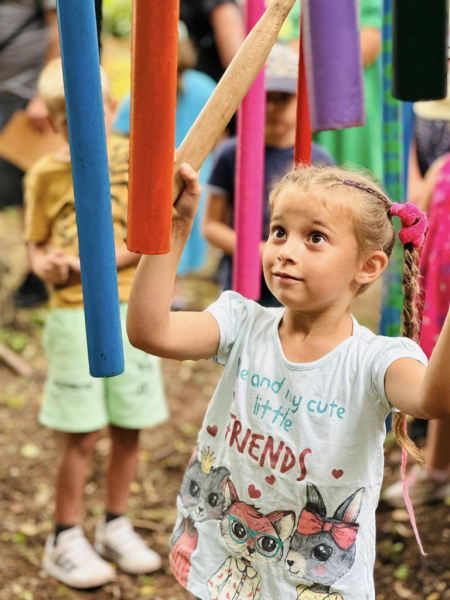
x=249, y=184
x=334, y=64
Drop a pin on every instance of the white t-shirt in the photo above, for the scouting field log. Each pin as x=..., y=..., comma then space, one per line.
x=278, y=501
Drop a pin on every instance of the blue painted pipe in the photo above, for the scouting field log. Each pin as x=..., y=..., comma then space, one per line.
x=84, y=104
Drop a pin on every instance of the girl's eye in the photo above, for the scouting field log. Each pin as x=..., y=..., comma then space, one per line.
x=317, y=238
x=278, y=233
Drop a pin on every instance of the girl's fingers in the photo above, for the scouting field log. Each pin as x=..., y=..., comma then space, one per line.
x=191, y=178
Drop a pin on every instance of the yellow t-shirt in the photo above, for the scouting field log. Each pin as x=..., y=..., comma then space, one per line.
x=50, y=214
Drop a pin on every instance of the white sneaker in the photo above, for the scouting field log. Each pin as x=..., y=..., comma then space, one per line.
x=117, y=541
x=424, y=486
x=74, y=562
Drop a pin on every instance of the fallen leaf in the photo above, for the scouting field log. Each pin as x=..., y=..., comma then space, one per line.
x=29, y=529
x=135, y=488
x=147, y=590
x=404, y=593
x=400, y=514
x=30, y=450
x=434, y=596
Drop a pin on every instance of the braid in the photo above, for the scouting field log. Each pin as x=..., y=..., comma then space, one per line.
x=410, y=329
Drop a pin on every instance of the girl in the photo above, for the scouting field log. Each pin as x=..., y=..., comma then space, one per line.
x=279, y=499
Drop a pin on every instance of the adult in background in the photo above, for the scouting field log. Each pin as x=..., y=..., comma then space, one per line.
x=28, y=41
x=217, y=29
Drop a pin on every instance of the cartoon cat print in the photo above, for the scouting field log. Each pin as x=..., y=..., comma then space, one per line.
x=253, y=539
x=201, y=499
x=323, y=549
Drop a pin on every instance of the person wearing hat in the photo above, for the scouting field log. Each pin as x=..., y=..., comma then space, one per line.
x=431, y=141
x=281, y=112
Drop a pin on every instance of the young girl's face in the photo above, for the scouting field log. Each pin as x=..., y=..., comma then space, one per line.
x=311, y=260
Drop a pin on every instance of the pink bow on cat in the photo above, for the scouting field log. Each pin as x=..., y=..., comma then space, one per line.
x=343, y=534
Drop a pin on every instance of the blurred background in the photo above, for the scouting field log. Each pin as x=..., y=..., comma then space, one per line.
x=210, y=33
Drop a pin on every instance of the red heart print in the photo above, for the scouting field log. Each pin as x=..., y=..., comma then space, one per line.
x=270, y=479
x=253, y=492
x=337, y=474
x=212, y=430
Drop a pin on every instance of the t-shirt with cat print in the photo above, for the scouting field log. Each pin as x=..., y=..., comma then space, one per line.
x=279, y=497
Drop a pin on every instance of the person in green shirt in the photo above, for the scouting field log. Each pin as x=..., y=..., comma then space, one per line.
x=362, y=146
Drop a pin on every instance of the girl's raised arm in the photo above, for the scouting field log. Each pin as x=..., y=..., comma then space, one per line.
x=422, y=392
x=151, y=326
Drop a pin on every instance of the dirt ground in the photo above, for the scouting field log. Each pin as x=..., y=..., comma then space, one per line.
x=29, y=455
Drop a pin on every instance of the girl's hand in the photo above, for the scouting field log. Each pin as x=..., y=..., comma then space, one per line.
x=185, y=208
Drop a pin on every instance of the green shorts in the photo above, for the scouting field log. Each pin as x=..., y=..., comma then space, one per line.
x=75, y=402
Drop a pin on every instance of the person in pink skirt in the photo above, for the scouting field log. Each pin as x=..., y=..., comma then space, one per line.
x=433, y=482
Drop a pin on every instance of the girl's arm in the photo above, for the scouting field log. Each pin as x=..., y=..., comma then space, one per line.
x=215, y=224
x=423, y=392
x=125, y=258
x=151, y=326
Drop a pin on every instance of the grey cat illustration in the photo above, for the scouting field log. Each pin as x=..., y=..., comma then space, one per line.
x=323, y=549
x=201, y=491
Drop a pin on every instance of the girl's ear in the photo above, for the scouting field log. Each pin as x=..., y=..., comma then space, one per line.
x=374, y=264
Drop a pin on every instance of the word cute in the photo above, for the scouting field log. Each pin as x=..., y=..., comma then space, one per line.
x=266, y=408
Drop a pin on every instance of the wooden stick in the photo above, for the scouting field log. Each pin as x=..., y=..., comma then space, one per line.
x=230, y=91
x=15, y=362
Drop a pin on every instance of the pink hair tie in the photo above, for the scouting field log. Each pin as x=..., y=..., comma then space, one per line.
x=414, y=223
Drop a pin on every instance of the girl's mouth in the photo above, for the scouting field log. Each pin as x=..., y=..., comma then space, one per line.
x=286, y=277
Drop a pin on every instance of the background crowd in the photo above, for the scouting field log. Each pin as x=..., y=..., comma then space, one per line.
x=210, y=34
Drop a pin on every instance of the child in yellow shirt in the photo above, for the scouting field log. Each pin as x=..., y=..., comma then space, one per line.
x=74, y=402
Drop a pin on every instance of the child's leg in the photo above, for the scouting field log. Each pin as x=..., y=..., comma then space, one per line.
x=115, y=537
x=71, y=477
x=438, y=445
x=122, y=467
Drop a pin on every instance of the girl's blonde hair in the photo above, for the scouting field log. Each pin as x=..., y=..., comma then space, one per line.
x=369, y=208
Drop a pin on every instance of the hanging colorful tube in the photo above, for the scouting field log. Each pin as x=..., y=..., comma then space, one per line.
x=419, y=49
x=249, y=184
x=84, y=104
x=303, y=135
x=333, y=64
x=152, y=131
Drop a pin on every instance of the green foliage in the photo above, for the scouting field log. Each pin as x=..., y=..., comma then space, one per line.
x=117, y=17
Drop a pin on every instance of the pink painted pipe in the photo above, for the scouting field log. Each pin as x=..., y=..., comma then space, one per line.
x=249, y=183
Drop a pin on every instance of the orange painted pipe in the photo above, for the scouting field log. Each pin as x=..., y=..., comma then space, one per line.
x=152, y=132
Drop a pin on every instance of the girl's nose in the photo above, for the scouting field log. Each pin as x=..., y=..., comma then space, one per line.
x=285, y=256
